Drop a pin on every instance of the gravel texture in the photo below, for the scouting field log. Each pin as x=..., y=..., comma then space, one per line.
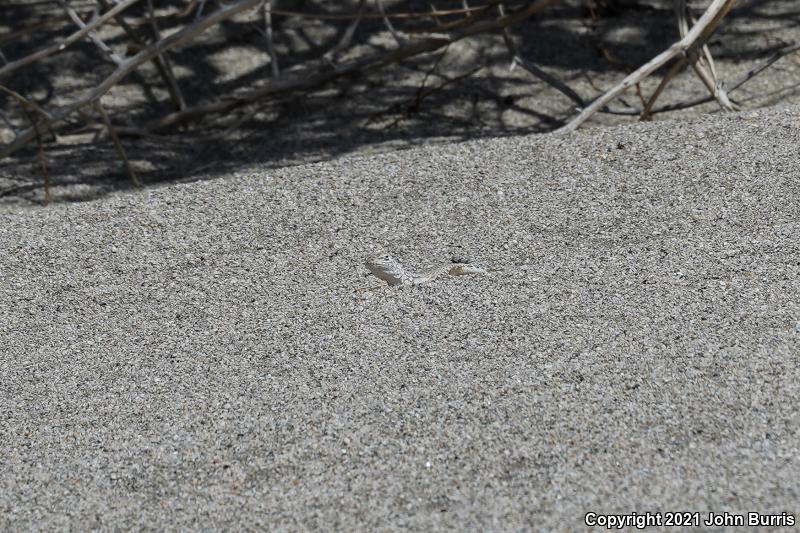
x=197, y=356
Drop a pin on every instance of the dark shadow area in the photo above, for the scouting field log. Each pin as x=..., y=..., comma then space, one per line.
x=463, y=91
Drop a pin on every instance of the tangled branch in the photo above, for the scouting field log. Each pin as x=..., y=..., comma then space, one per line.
x=149, y=36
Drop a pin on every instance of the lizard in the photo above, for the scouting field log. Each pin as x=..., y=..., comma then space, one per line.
x=390, y=270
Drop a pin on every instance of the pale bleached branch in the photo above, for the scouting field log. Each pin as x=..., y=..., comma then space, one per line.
x=708, y=77
x=699, y=33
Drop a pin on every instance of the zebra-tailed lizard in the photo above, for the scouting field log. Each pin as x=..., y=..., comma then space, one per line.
x=390, y=270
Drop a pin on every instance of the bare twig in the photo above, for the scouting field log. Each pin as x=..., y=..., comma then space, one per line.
x=42, y=161
x=98, y=42
x=683, y=29
x=124, y=131
x=118, y=145
x=25, y=30
x=699, y=33
x=8, y=123
x=754, y=71
x=566, y=90
x=175, y=17
x=424, y=92
x=709, y=79
x=266, y=10
x=347, y=38
x=188, y=9
x=647, y=112
x=434, y=14
x=162, y=62
x=384, y=15
x=421, y=89
x=760, y=67
x=25, y=101
x=200, y=10
x=516, y=58
x=25, y=104
x=430, y=90
x=397, y=39
x=442, y=27
x=78, y=35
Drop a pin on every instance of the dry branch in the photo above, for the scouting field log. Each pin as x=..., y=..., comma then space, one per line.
x=751, y=73
x=383, y=15
x=709, y=78
x=118, y=145
x=389, y=26
x=25, y=30
x=25, y=104
x=266, y=9
x=647, y=112
x=347, y=38
x=160, y=61
x=98, y=42
x=699, y=33
x=516, y=58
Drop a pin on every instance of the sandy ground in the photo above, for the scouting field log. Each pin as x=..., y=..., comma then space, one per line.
x=198, y=356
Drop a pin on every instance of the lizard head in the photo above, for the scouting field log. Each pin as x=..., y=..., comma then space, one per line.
x=386, y=268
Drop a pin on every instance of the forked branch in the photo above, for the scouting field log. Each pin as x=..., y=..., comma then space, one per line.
x=698, y=35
